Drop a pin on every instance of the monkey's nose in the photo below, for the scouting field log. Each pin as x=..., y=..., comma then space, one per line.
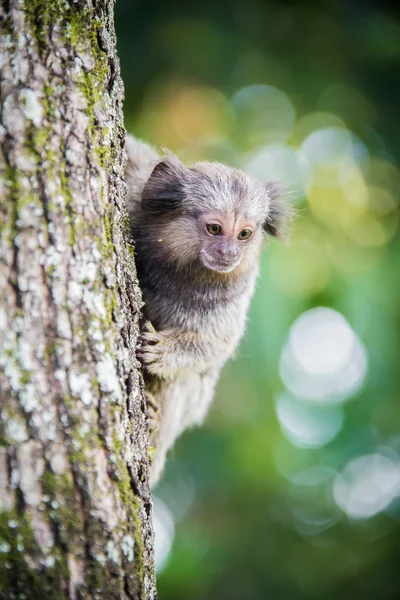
x=227, y=251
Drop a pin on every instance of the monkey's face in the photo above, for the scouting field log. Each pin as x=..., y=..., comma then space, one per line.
x=225, y=239
x=208, y=215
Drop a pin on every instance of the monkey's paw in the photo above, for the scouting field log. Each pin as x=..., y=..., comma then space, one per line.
x=152, y=351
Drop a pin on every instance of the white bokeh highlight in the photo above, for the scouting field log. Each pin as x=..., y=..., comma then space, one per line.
x=367, y=485
x=164, y=532
x=308, y=426
x=279, y=162
x=333, y=146
x=323, y=360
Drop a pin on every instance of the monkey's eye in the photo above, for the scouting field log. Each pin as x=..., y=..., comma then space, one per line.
x=214, y=228
x=245, y=234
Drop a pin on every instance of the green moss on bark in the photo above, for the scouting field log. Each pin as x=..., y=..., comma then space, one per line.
x=61, y=507
x=17, y=543
x=129, y=499
x=43, y=15
x=12, y=182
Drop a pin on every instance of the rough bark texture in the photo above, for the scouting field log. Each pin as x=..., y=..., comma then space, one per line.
x=75, y=504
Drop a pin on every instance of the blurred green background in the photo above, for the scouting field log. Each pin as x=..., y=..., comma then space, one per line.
x=291, y=490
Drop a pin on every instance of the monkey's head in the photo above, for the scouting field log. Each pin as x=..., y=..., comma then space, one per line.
x=210, y=215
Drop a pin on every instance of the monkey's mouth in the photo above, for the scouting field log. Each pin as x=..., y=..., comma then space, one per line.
x=217, y=264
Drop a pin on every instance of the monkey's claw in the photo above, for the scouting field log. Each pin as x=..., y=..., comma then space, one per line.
x=149, y=335
x=152, y=350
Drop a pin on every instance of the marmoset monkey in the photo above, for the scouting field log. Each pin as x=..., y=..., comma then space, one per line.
x=198, y=234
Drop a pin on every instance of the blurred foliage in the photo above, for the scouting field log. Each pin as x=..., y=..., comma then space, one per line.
x=292, y=487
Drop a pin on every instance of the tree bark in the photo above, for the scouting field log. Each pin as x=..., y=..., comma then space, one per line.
x=75, y=503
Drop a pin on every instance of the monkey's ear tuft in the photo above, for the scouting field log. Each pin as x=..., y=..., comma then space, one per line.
x=280, y=214
x=164, y=190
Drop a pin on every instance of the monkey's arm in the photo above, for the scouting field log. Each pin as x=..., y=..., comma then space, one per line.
x=165, y=353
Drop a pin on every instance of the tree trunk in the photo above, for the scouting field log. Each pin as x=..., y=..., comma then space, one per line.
x=75, y=502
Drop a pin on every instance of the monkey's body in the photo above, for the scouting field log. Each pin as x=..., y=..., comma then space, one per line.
x=196, y=290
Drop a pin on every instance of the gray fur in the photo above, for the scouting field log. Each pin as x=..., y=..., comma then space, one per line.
x=196, y=291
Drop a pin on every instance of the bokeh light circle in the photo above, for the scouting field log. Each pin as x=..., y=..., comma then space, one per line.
x=323, y=359
x=367, y=485
x=264, y=114
x=308, y=426
x=164, y=532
